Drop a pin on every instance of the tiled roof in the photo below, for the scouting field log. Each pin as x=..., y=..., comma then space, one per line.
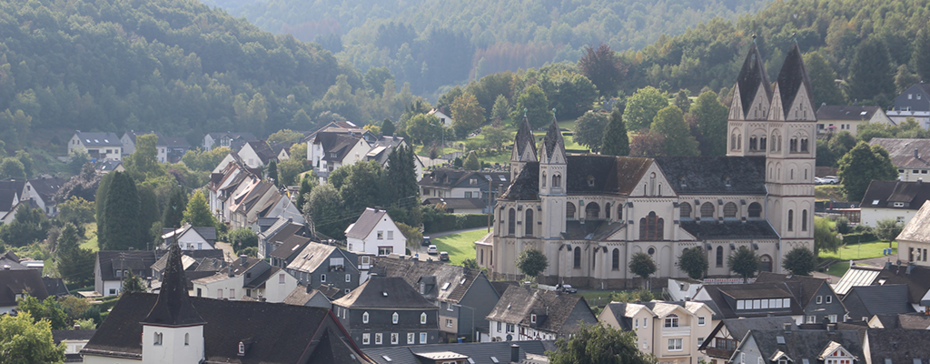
x=137, y=260
x=916, y=228
x=518, y=303
x=459, y=279
x=362, y=227
x=902, y=151
x=15, y=282
x=757, y=229
x=846, y=112
x=715, y=175
x=458, y=203
x=898, y=195
x=99, y=139
x=751, y=75
x=917, y=279
x=867, y=301
x=898, y=346
x=384, y=293
x=806, y=345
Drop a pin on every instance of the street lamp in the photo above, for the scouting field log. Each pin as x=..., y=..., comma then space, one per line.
x=473, y=329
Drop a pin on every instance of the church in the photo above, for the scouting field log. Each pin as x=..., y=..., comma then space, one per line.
x=590, y=213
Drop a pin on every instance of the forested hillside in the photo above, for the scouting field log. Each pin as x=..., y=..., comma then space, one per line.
x=432, y=43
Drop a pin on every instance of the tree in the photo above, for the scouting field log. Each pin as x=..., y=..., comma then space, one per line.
x=471, y=162
x=144, y=160
x=285, y=136
x=148, y=213
x=25, y=341
x=401, y=176
x=744, y=262
x=303, y=194
x=12, y=168
x=603, y=67
x=44, y=310
x=242, y=238
x=670, y=122
x=422, y=128
x=324, y=200
x=589, y=130
x=198, y=212
x=30, y=225
x=903, y=78
x=26, y=160
x=887, y=229
x=600, y=344
x=694, y=262
x=534, y=104
x=842, y=225
x=569, y=93
x=824, y=237
x=641, y=264
x=467, y=115
x=642, y=107
x=361, y=187
x=496, y=136
x=132, y=283
x=501, y=109
x=174, y=210
x=273, y=173
x=387, y=127
x=861, y=166
x=532, y=262
x=800, y=261
x=76, y=210
x=375, y=77
x=616, y=140
x=711, y=119
x=823, y=81
x=650, y=144
x=871, y=76
x=289, y=169
x=76, y=265
x=199, y=160
x=682, y=101
x=414, y=235
x=921, y=57
x=841, y=143
x=120, y=223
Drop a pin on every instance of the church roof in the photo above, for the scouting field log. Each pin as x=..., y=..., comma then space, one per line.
x=553, y=140
x=173, y=307
x=792, y=77
x=526, y=185
x=716, y=175
x=604, y=174
x=756, y=229
x=750, y=77
x=524, y=138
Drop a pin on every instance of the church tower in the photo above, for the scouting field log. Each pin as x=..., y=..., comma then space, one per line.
x=553, y=171
x=172, y=332
x=752, y=95
x=524, y=149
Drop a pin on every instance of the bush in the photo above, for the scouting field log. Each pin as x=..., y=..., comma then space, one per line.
x=856, y=238
x=842, y=225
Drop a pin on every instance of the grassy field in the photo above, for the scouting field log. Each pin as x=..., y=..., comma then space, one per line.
x=460, y=246
x=829, y=193
x=91, y=243
x=838, y=269
x=861, y=251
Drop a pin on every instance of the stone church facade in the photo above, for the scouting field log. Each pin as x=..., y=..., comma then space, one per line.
x=590, y=213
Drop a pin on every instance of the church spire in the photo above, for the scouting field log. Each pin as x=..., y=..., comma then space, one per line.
x=173, y=307
x=553, y=142
x=792, y=80
x=751, y=80
x=523, y=142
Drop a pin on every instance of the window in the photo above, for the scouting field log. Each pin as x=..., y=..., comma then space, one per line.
x=651, y=227
x=187, y=339
x=832, y=318
x=829, y=299
x=468, y=194
x=577, y=257
x=544, y=179
x=700, y=340
x=390, y=235
x=645, y=323
x=592, y=211
x=366, y=338
x=232, y=293
x=219, y=293
x=719, y=259
x=322, y=278
x=423, y=318
x=819, y=299
x=512, y=222
x=765, y=263
x=380, y=235
x=671, y=320
x=700, y=320
x=685, y=210
x=569, y=211
x=811, y=319
x=707, y=211
x=674, y=344
x=755, y=210
x=394, y=318
x=528, y=222
x=729, y=210
x=411, y=338
x=803, y=220
x=790, y=220
x=510, y=328
x=448, y=322
x=348, y=278
x=742, y=358
x=615, y=259
x=533, y=318
x=740, y=305
x=636, y=323
x=498, y=326
x=365, y=318
x=378, y=339
x=158, y=338
x=394, y=338
x=422, y=338
x=385, y=250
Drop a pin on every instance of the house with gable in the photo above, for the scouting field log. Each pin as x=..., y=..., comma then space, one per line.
x=167, y=149
x=464, y=296
x=334, y=148
x=288, y=251
x=524, y=313
x=865, y=302
x=910, y=156
x=326, y=265
x=527, y=352
x=446, y=120
x=914, y=102
x=672, y=331
x=750, y=300
x=811, y=346
x=815, y=295
x=386, y=311
x=306, y=296
x=233, y=141
x=915, y=277
x=247, y=278
x=42, y=190
x=722, y=341
x=16, y=284
x=112, y=266
x=96, y=145
x=898, y=200
x=896, y=346
x=275, y=235
x=832, y=119
x=913, y=242
x=189, y=237
x=256, y=153
x=375, y=233
x=908, y=321
x=449, y=183
x=590, y=213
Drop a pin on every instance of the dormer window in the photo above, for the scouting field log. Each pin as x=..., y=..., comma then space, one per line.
x=671, y=320
x=423, y=318
x=394, y=318
x=590, y=181
x=533, y=318
x=241, y=348
x=365, y=318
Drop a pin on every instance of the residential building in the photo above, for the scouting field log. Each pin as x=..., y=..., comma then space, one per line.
x=247, y=278
x=17, y=283
x=908, y=321
x=112, y=266
x=172, y=327
x=459, y=205
x=386, y=311
x=914, y=102
x=727, y=334
x=167, y=149
x=104, y=166
x=288, y=251
x=672, y=331
x=306, y=296
x=913, y=242
x=256, y=154
x=233, y=141
x=449, y=183
x=274, y=236
x=814, y=295
x=865, y=302
x=527, y=352
x=832, y=119
x=74, y=341
x=464, y=296
x=375, y=233
x=189, y=237
x=820, y=346
x=896, y=200
x=382, y=148
x=751, y=300
x=446, y=120
x=319, y=264
x=683, y=289
x=524, y=313
x=96, y=145
x=910, y=156
x=42, y=190
x=915, y=277
x=896, y=346
x=55, y=286
x=590, y=213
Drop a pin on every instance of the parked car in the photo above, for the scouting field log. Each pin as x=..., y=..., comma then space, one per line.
x=831, y=180
x=569, y=289
x=818, y=181
x=426, y=241
x=432, y=250
x=444, y=256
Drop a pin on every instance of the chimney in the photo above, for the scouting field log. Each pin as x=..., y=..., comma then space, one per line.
x=77, y=326
x=243, y=259
x=787, y=327
x=514, y=353
x=831, y=328
x=916, y=154
x=229, y=270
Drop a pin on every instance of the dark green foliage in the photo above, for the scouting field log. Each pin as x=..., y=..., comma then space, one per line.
x=589, y=130
x=642, y=107
x=670, y=122
x=120, y=228
x=26, y=340
x=321, y=209
x=306, y=186
x=100, y=201
x=273, y=173
x=571, y=94
x=132, y=283
x=641, y=264
x=47, y=309
x=600, y=344
x=27, y=161
x=12, y=168
x=471, y=162
x=401, y=177
x=861, y=166
x=76, y=266
x=616, y=140
x=682, y=101
x=148, y=212
x=871, y=73
x=174, y=209
x=825, y=156
x=710, y=116
x=800, y=261
x=534, y=104
x=144, y=160
x=470, y=263
x=825, y=239
x=842, y=225
x=198, y=212
x=242, y=238
x=823, y=81
x=694, y=262
x=30, y=226
x=532, y=262
x=387, y=127
x=887, y=229
x=375, y=77
x=362, y=187
x=921, y=57
x=744, y=262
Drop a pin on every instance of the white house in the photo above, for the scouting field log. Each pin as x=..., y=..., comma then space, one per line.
x=672, y=331
x=375, y=233
x=227, y=139
x=896, y=200
x=331, y=150
x=190, y=238
x=97, y=145
x=913, y=242
x=247, y=278
x=42, y=190
x=446, y=120
x=256, y=154
x=836, y=118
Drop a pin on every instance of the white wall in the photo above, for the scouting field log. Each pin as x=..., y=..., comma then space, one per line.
x=107, y=285
x=276, y=291
x=870, y=216
x=210, y=290
x=391, y=236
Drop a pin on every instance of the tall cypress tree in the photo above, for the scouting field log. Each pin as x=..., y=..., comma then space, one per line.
x=174, y=210
x=616, y=140
x=148, y=212
x=871, y=76
x=273, y=173
x=121, y=230
x=306, y=186
x=101, y=200
x=921, y=57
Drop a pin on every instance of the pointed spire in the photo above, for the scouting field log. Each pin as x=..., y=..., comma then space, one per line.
x=751, y=76
x=792, y=77
x=173, y=307
x=553, y=140
x=524, y=139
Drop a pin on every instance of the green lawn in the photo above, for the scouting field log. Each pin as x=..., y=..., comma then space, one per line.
x=91, y=231
x=460, y=246
x=838, y=269
x=861, y=251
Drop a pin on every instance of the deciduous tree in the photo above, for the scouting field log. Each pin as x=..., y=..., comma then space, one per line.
x=589, y=130
x=198, y=212
x=600, y=344
x=286, y=136
x=602, y=66
x=670, y=122
x=22, y=340
x=324, y=200
x=694, y=262
x=800, y=261
x=534, y=104
x=711, y=118
x=888, y=229
x=825, y=239
x=467, y=114
x=651, y=144
x=744, y=262
x=861, y=166
x=642, y=107
x=44, y=310
x=641, y=264
x=871, y=75
x=823, y=81
x=242, y=238
x=532, y=262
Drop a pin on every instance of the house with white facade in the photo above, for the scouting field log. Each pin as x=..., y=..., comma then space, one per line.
x=42, y=190
x=96, y=145
x=896, y=200
x=913, y=242
x=727, y=334
x=832, y=119
x=256, y=154
x=446, y=120
x=330, y=150
x=375, y=233
x=112, y=266
x=524, y=313
x=910, y=156
x=247, y=278
x=16, y=284
x=672, y=331
x=189, y=237
x=167, y=149
x=914, y=102
x=229, y=140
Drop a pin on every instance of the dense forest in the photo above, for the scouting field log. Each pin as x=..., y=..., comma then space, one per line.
x=432, y=43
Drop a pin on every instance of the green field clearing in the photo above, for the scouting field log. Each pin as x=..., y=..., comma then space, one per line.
x=861, y=251
x=91, y=243
x=838, y=269
x=460, y=246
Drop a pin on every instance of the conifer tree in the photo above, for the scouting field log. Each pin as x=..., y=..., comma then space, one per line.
x=472, y=163
x=921, y=57
x=100, y=201
x=306, y=186
x=198, y=212
x=616, y=140
x=174, y=210
x=121, y=228
x=871, y=76
x=823, y=81
x=387, y=127
x=273, y=173
x=711, y=118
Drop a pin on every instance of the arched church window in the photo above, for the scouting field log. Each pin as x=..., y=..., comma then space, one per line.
x=762, y=143
x=556, y=180
x=804, y=220
x=719, y=259
x=620, y=211
x=607, y=210
x=569, y=211
x=577, y=257
x=707, y=211
x=592, y=211
x=753, y=143
x=790, y=220
x=615, y=259
x=766, y=263
x=793, y=145
x=804, y=144
x=528, y=221
x=729, y=210
x=755, y=210
x=685, y=210
x=651, y=227
x=544, y=179
x=511, y=222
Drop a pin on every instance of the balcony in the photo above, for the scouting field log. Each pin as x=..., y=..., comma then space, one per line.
x=676, y=331
x=718, y=353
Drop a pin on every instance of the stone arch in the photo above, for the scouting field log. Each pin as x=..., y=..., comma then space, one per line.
x=685, y=210
x=755, y=210
x=569, y=211
x=707, y=211
x=592, y=211
x=730, y=210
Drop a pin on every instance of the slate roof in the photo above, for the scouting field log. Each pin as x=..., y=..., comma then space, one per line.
x=910, y=321
x=47, y=186
x=501, y=286
x=595, y=230
x=609, y=174
x=806, y=344
x=336, y=142
x=709, y=175
x=454, y=203
x=314, y=254
x=262, y=150
x=867, y=301
x=756, y=229
x=460, y=279
x=803, y=288
x=846, y=112
x=137, y=260
x=751, y=75
x=279, y=333
x=6, y=199
x=173, y=306
x=196, y=257
x=738, y=327
x=524, y=138
x=362, y=227
x=526, y=185
x=723, y=310
x=6, y=262
x=916, y=228
x=301, y=295
x=884, y=195
x=99, y=139
x=384, y=293
x=14, y=282
x=55, y=287
x=207, y=233
x=901, y=346
x=453, y=177
x=792, y=77
x=290, y=247
x=901, y=151
x=479, y=353
x=518, y=303
x=61, y=335
x=917, y=279
x=553, y=140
